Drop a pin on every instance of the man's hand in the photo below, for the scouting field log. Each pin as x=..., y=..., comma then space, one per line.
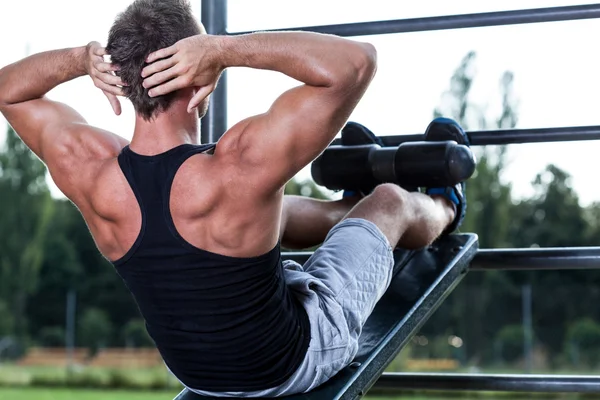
x=191, y=62
x=102, y=73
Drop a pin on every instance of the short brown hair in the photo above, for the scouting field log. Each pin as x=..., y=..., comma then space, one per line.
x=144, y=27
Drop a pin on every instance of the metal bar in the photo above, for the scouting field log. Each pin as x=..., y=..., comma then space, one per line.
x=509, y=136
x=551, y=14
x=490, y=382
x=514, y=136
x=537, y=259
x=214, y=123
x=519, y=259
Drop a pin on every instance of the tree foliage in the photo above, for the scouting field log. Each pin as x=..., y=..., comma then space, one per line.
x=135, y=334
x=486, y=309
x=26, y=212
x=95, y=328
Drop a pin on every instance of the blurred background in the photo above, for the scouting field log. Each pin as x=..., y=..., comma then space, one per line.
x=70, y=330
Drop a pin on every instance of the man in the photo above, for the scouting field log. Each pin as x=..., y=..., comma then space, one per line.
x=195, y=230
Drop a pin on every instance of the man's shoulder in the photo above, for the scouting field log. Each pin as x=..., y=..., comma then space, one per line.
x=88, y=160
x=98, y=144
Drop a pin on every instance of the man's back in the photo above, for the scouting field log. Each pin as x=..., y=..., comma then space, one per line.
x=221, y=323
x=215, y=201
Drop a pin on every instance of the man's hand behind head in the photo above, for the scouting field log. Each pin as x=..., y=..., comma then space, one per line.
x=191, y=62
x=102, y=74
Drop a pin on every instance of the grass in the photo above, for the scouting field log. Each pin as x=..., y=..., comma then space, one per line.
x=92, y=378
x=154, y=384
x=84, y=394
x=75, y=394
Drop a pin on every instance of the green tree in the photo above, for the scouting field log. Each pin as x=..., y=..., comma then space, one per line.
x=6, y=320
x=510, y=340
x=583, y=342
x=553, y=217
x=488, y=215
x=487, y=195
x=306, y=188
x=26, y=211
x=95, y=329
x=61, y=271
x=52, y=336
x=136, y=335
x=485, y=304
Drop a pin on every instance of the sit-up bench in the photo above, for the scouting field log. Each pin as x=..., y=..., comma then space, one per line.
x=422, y=280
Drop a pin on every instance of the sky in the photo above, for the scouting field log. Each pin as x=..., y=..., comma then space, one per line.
x=555, y=67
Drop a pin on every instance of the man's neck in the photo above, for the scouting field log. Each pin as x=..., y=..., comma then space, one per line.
x=167, y=130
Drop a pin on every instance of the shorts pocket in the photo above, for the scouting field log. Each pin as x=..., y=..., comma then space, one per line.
x=327, y=371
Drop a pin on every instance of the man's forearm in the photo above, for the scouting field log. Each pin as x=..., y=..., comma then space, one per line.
x=34, y=76
x=315, y=59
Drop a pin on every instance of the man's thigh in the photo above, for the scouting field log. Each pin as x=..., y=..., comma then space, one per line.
x=355, y=263
x=339, y=286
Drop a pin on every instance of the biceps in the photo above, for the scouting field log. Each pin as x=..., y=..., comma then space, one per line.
x=38, y=122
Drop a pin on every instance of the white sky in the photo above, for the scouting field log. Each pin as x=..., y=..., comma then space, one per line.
x=555, y=65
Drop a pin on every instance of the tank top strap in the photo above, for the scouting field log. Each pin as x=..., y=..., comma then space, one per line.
x=141, y=171
x=150, y=179
x=178, y=157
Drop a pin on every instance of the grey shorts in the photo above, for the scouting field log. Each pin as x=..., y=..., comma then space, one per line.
x=339, y=287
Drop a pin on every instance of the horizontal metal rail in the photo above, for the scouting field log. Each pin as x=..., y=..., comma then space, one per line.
x=537, y=259
x=518, y=259
x=393, y=382
x=510, y=136
x=550, y=14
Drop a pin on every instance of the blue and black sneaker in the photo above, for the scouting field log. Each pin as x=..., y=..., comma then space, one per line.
x=355, y=134
x=443, y=129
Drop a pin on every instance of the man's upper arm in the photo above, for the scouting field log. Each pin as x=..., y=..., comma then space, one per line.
x=300, y=124
x=61, y=138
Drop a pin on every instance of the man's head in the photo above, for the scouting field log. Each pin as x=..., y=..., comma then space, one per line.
x=144, y=27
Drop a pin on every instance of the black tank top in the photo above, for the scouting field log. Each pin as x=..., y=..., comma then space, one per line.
x=220, y=323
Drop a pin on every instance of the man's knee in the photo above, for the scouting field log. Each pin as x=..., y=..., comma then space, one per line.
x=390, y=197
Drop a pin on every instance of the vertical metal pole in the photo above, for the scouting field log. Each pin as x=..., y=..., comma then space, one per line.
x=527, y=327
x=214, y=124
x=70, y=331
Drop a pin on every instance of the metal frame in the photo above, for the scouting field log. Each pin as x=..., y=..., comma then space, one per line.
x=421, y=280
x=510, y=136
x=214, y=18
x=214, y=123
x=394, y=382
x=478, y=20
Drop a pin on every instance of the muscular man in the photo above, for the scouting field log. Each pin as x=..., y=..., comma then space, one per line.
x=195, y=229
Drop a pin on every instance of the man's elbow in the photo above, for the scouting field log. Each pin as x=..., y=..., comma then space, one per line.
x=3, y=91
x=4, y=105
x=367, y=63
x=8, y=86
x=362, y=66
x=369, y=60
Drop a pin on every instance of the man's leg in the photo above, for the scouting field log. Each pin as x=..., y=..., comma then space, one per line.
x=408, y=219
x=305, y=222
x=342, y=281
